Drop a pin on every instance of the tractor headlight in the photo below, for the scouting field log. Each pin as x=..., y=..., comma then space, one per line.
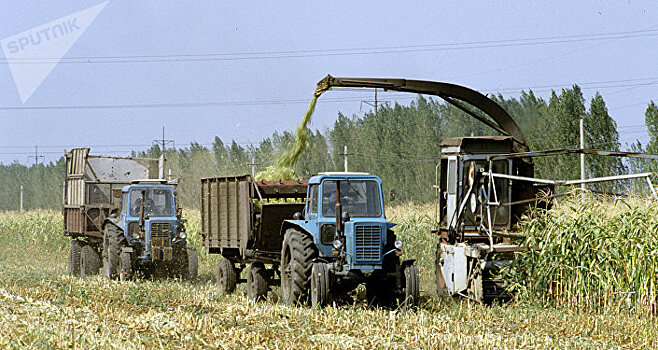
x=136, y=235
x=397, y=244
x=182, y=235
x=337, y=244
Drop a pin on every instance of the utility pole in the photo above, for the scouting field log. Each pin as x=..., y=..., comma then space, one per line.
x=374, y=103
x=21, y=208
x=345, y=154
x=36, y=155
x=582, y=160
x=375, y=110
x=253, y=165
x=161, y=162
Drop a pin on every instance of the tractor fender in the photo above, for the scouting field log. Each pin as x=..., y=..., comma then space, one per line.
x=296, y=224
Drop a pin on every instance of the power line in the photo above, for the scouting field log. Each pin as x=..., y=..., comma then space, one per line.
x=337, y=51
x=305, y=101
x=182, y=104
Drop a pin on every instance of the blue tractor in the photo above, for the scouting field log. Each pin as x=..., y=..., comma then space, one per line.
x=147, y=235
x=321, y=248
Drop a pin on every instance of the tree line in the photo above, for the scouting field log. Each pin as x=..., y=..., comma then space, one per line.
x=400, y=144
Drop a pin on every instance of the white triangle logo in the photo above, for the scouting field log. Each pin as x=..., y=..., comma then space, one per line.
x=34, y=53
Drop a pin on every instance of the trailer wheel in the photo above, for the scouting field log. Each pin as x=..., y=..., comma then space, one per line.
x=192, y=264
x=226, y=276
x=297, y=255
x=320, y=285
x=125, y=266
x=257, y=282
x=111, y=252
x=74, y=258
x=90, y=262
x=411, y=290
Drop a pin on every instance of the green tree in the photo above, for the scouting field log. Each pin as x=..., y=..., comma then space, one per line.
x=601, y=133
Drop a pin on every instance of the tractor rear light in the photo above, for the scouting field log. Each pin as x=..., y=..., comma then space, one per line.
x=335, y=253
x=398, y=253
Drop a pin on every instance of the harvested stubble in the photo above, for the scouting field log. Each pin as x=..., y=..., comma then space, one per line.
x=42, y=307
x=601, y=254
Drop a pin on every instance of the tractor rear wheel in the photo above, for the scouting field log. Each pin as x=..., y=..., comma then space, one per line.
x=74, y=258
x=90, y=262
x=257, y=282
x=320, y=285
x=192, y=264
x=226, y=276
x=297, y=255
x=411, y=287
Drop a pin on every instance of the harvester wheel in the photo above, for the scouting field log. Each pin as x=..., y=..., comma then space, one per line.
x=90, y=262
x=411, y=287
x=112, y=240
x=297, y=255
x=74, y=257
x=192, y=264
x=440, y=281
x=320, y=285
x=226, y=276
x=125, y=266
x=257, y=282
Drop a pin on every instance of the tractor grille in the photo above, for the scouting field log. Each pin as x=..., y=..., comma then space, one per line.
x=160, y=229
x=368, y=242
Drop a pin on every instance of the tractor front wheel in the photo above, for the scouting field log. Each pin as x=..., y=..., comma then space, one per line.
x=192, y=264
x=320, y=285
x=112, y=242
x=411, y=287
x=257, y=282
x=125, y=266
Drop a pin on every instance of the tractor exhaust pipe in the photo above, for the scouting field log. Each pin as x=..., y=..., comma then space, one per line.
x=338, y=211
x=141, y=212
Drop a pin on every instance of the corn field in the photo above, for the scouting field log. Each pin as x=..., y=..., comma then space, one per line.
x=41, y=306
x=600, y=254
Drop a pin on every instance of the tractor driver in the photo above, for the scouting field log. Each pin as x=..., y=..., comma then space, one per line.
x=149, y=206
x=329, y=197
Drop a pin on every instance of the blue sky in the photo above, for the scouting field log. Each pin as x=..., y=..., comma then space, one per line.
x=249, y=68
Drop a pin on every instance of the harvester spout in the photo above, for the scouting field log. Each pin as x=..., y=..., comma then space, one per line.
x=494, y=115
